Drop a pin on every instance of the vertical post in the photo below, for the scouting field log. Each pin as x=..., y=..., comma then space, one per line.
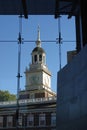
x=59, y=41
x=78, y=33
x=24, y=120
x=18, y=75
x=83, y=22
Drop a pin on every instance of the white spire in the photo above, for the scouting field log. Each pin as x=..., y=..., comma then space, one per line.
x=38, y=36
x=38, y=42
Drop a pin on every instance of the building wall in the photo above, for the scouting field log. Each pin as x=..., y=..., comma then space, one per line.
x=25, y=123
x=72, y=94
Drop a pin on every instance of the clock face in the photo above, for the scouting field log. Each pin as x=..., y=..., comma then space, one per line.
x=46, y=80
x=34, y=79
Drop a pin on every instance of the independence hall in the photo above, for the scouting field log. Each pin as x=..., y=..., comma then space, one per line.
x=36, y=105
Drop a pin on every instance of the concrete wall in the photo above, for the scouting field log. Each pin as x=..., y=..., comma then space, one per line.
x=72, y=94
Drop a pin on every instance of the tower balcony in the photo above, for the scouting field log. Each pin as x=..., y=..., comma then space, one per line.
x=29, y=101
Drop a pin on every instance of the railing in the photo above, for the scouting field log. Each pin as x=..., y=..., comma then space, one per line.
x=27, y=101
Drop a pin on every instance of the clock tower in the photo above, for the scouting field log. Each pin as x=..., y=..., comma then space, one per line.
x=38, y=77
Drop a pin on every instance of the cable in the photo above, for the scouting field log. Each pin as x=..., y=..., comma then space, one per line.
x=30, y=41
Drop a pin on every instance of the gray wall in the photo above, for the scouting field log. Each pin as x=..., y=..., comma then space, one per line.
x=72, y=94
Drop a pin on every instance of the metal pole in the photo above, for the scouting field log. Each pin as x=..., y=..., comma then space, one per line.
x=59, y=41
x=18, y=75
x=24, y=120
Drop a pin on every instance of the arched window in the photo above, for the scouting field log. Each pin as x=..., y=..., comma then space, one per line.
x=35, y=58
x=44, y=59
x=40, y=57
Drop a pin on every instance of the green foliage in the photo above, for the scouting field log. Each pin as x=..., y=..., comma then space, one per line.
x=6, y=96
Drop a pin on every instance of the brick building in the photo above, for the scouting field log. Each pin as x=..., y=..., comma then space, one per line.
x=36, y=108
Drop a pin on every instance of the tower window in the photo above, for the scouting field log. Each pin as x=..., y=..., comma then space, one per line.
x=53, y=118
x=42, y=119
x=32, y=59
x=20, y=120
x=32, y=96
x=1, y=121
x=35, y=58
x=30, y=120
x=40, y=57
x=44, y=59
x=9, y=121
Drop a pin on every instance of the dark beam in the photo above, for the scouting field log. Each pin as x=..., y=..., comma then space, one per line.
x=56, y=8
x=83, y=8
x=74, y=9
x=25, y=8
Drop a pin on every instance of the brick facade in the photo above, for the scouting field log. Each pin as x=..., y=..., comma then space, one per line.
x=37, y=109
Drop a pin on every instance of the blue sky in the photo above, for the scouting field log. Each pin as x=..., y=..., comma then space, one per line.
x=9, y=29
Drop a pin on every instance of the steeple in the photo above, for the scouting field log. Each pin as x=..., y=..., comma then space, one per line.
x=38, y=77
x=38, y=42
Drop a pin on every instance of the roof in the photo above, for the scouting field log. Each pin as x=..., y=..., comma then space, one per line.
x=36, y=7
x=38, y=49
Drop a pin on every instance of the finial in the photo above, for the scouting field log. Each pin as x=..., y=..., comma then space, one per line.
x=38, y=42
x=38, y=36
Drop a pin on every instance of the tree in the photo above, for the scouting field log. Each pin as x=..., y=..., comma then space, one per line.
x=6, y=96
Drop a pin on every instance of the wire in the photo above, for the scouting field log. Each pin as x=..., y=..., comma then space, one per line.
x=25, y=41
